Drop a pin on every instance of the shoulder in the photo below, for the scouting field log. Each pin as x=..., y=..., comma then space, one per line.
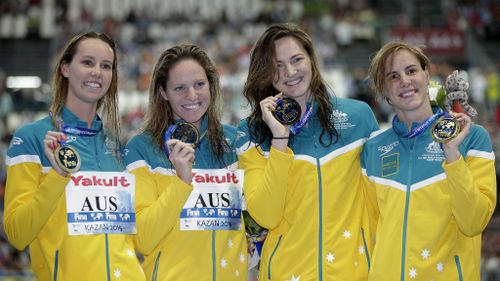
x=28, y=139
x=242, y=133
x=353, y=107
x=478, y=139
x=229, y=132
x=139, y=147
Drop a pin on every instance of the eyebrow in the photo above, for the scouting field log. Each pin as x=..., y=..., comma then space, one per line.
x=292, y=57
x=94, y=58
x=406, y=68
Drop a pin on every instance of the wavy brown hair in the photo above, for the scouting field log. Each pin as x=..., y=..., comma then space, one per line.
x=160, y=115
x=377, y=71
x=107, y=106
x=259, y=83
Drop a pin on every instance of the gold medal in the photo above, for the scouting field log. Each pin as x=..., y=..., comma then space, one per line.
x=287, y=111
x=445, y=129
x=68, y=159
x=186, y=132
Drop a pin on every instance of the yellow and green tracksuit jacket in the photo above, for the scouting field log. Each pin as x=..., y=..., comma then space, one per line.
x=430, y=213
x=172, y=254
x=35, y=209
x=311, y=199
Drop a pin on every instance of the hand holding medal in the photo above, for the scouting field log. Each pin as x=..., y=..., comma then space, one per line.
x=452, y=97
x=64, y=159
x=178, y=143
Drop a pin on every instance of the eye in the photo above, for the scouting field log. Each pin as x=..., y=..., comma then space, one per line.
x=392, y=77
x=179, y=88
x=412, y=71
x=200, y=84
x=297, y=59
x=279, y=65
x=87, y=62
x=107, y=66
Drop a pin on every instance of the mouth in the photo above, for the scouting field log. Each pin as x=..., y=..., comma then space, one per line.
x=92, y=84
x=293, y=82
x=192, y=106
x=408, y=93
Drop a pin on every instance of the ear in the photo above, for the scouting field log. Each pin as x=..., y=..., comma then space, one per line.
x=64, y=69
x=427, y=75
x=163, y=93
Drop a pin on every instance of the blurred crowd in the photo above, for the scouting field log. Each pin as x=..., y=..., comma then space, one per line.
x=227, y=29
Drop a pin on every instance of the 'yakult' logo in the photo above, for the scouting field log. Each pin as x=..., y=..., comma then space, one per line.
x=100, y=181
x=207, y=178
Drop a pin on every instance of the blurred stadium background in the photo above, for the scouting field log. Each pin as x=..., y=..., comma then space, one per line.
x=458, y=34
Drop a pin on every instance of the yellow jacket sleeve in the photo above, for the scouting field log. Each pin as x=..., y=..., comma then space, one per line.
x=473, y=192
x=30, y=200
x=265, y=184
x=158, y=209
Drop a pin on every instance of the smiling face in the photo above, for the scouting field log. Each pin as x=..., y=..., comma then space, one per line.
x=187, y=91
x=89, y=73
x=293, y=77
x=406, y=86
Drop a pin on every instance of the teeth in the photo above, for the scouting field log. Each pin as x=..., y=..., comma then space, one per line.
x=92, y=84
x=293, y=83
x=191, y=106
x=407, y=94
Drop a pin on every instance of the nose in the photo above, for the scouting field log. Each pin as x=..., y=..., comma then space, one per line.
x=405, y=80
x=192, y=93
x=289, y=70
x=96, y=71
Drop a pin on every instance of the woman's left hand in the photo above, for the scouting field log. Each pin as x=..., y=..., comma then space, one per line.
x=451, y=151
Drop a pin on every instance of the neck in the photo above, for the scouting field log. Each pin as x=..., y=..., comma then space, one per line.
x=410, y=117
x=84, y=111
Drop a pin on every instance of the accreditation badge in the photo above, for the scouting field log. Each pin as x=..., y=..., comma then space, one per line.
x=101, y=202
x=215, y=202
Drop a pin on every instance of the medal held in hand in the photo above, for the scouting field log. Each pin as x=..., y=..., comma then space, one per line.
x=445, y=129
x=67, y=158
x=186, y=132
x=183, y=131
x=287, y=111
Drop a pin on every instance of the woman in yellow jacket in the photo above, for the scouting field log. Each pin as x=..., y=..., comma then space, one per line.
x=189, y=223
x=433, y=187
x=302, y=181
x=73, y=231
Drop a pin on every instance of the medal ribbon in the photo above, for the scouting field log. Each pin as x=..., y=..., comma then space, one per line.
x=168, y=133
x=79, y=131
x=295, y=128
x=418, y=130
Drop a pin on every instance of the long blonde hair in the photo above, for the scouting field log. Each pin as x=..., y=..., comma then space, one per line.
x=107, y=105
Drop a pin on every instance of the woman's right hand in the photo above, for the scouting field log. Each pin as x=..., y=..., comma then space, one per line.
x=181, y=155
x=268, y=106
x=51, y=142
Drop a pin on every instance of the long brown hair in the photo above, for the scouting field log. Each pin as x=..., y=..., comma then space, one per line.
x=259, y=83
x=160, y=114
x=107, y=105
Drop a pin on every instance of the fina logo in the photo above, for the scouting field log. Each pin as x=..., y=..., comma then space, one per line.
x=387, y=148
